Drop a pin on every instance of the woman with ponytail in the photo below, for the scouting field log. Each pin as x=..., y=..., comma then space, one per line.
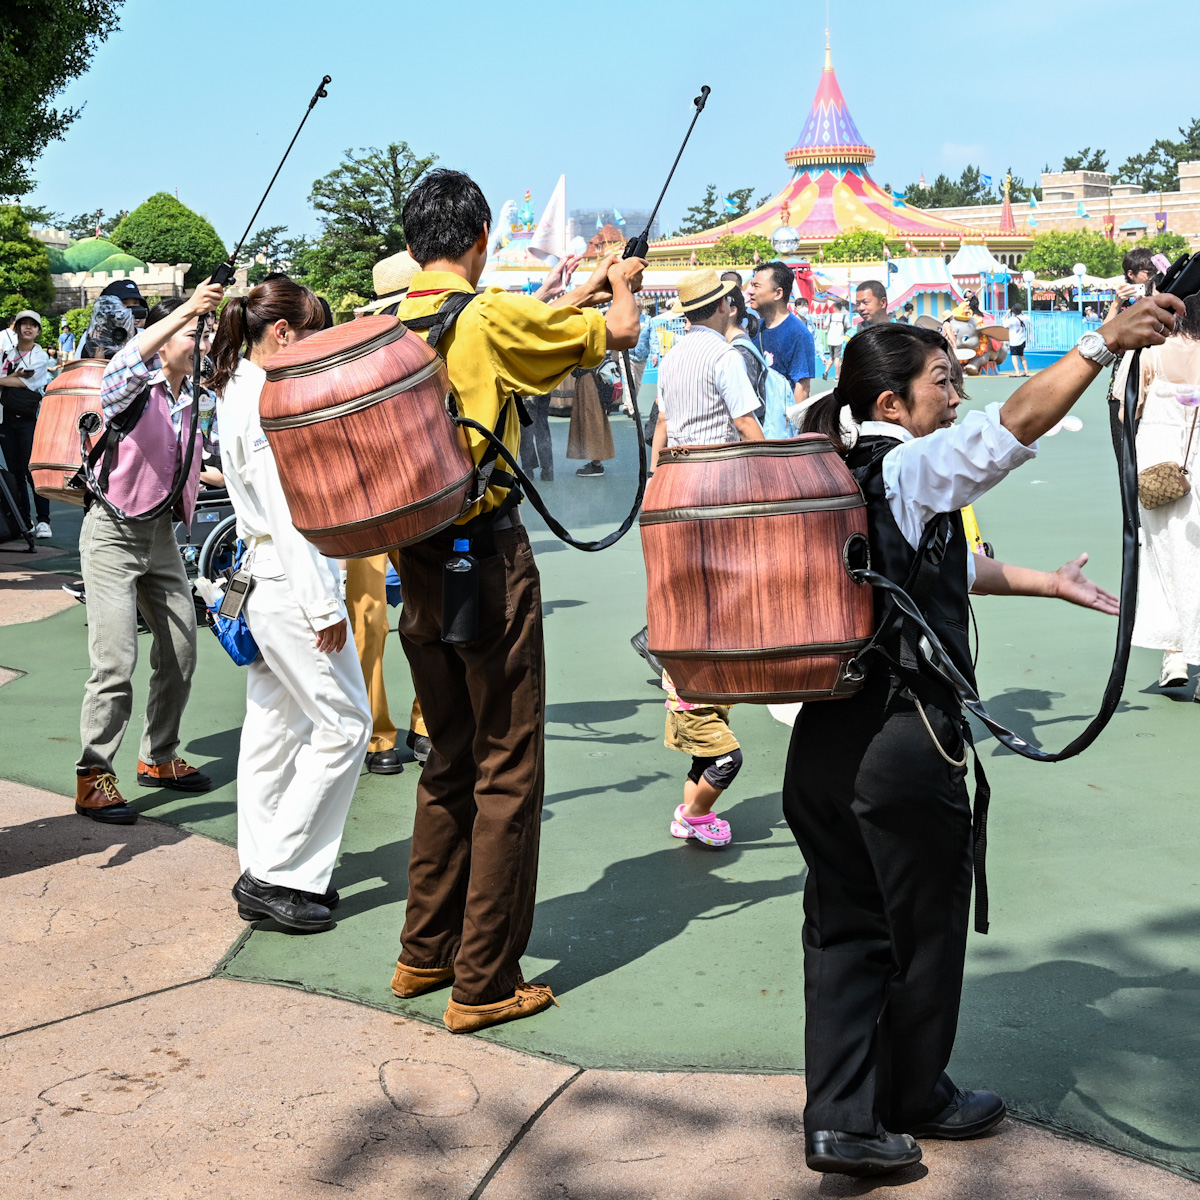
x=875, y=787
x=307, y=718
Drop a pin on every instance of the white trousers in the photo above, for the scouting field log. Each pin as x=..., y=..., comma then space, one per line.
x=304, y=739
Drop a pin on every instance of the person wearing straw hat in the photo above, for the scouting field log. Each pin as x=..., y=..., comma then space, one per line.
x=366, y=578
x=704, y=393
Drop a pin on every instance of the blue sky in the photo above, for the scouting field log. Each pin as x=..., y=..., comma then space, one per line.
x=203, y=97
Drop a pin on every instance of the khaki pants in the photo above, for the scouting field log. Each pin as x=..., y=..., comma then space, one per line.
x=127, y=566
x=472, y=874
x=366, y=601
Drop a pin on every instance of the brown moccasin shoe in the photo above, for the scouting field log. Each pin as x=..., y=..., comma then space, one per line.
x=413, y=981
x=529, y=998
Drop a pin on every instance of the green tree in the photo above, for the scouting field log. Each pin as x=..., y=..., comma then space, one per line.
x=1018, y=190
x=1086, y=160
x=1172, y=245
x=360, y=202
x=163, y=230
x=43, y=46
x=84, y=225
x=969, y=189
x=269, y=250
x=856, y=245
x=704, y=215
x=1054, y=254
x=737, y=250
x=24, y=266
x=1156, y=169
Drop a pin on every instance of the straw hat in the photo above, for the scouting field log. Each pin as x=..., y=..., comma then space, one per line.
x=700, y=288
x=390, y=277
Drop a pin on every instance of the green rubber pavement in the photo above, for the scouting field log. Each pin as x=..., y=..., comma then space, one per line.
x=1081, y=1007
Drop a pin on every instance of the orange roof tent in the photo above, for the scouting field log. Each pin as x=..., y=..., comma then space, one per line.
x=831, y=191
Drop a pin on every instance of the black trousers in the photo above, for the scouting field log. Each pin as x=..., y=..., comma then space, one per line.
x=884, y=824
x=16, y=440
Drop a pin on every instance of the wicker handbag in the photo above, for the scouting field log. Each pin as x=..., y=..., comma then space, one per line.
x=1166, y=482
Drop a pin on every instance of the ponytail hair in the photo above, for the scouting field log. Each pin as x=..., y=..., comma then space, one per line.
x=245, y=321
x=747, y=320
x=878, y=359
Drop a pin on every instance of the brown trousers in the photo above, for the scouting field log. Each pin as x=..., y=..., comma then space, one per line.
x=472, y=873
x=366, y=601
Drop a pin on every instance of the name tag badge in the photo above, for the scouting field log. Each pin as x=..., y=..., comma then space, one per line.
x=259, y=443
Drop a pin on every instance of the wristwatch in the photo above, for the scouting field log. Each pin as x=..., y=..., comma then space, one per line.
x=1095, y=349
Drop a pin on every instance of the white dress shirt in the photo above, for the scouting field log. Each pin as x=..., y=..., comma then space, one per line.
x=252, y=478
x=702, y=388
x=946, y=470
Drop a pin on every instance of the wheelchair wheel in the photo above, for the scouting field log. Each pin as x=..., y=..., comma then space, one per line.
x=216, y=555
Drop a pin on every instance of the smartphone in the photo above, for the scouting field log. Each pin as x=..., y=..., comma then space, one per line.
x=1183, y=279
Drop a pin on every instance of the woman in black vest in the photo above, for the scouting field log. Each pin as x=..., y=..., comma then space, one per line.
x=875, y=788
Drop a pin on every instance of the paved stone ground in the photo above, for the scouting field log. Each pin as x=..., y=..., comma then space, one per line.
x=131, y=1074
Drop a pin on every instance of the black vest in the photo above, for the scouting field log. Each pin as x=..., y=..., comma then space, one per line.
x=944, y=597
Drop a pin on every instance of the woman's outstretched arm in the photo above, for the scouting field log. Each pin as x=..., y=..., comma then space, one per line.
x=1041, y=403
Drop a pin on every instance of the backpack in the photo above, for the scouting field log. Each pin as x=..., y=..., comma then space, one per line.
x=777, y=394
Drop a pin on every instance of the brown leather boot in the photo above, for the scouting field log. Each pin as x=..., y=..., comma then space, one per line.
x=97, y=797
x=413, y=981
x=177, y=775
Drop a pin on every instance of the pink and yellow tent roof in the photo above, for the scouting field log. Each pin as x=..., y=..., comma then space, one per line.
x=831, y=191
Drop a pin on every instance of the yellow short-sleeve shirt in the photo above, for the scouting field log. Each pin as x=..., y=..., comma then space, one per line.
x=504, y=345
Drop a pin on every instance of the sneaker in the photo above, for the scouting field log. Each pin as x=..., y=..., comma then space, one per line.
x=592, y=470
x=42, y=530
x=1174, y=670
x=641, y=643
x=527, y=999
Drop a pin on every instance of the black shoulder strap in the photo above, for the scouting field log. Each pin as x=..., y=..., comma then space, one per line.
x=441, y=322
x=105, y=450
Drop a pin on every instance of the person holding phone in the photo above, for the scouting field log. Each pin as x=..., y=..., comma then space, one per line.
x=24, y=374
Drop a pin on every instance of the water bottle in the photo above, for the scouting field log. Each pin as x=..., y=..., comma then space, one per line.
x=460, y=595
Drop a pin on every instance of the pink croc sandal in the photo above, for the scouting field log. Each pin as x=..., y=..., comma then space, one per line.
x=709, y=829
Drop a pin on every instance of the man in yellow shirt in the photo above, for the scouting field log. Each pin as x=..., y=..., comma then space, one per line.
x=473, y=865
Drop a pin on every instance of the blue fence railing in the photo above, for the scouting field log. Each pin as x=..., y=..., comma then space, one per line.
x=1056, y=332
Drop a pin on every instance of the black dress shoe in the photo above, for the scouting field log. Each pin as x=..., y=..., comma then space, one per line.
x=384, y=762
x=641, y=643
x=110, y=814
x=420, y=745
x=291, y=908
x=329, y=899
x=833, y=1152
x=968, y=1115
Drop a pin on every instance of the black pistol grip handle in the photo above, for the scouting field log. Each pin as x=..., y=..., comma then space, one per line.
x=636, y=247
x=223, y=274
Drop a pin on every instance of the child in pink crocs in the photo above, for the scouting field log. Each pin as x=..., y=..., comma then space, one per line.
x=702, y=730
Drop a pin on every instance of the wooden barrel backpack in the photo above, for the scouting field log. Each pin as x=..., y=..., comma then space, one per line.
x=748, y=548
x=368, y=456
x=55, y=457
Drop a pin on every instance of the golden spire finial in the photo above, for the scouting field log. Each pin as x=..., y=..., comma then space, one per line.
x=828, y=55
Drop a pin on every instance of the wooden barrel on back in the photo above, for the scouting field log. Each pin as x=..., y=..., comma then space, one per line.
x=748, y=594
x=368, y=455
x=54, y=459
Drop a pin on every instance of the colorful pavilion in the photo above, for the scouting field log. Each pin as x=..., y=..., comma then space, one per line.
x=830, y=192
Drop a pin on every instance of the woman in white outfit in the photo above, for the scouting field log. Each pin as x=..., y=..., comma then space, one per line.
x=1168, y=613
x=308, y=721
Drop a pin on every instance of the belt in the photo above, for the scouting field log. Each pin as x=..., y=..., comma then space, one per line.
x=481, y=535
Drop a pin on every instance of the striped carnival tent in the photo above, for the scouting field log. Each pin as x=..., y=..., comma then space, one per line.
x=830, y=192
x=927, y=282
x=973, y=261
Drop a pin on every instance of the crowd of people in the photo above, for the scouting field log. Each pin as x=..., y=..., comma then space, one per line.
x=875, y=787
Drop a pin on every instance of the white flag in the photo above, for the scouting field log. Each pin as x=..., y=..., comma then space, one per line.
x=550, y=238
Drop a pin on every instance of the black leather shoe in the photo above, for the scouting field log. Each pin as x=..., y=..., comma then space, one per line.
x=329, y=899
x=291, y=908
x=641, y=643
x=833, y=1152
x=968, y=1115
x=420, y=745
x=384, y=762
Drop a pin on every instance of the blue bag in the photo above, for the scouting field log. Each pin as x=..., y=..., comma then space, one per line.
x=777, y=395
x=232, y=632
